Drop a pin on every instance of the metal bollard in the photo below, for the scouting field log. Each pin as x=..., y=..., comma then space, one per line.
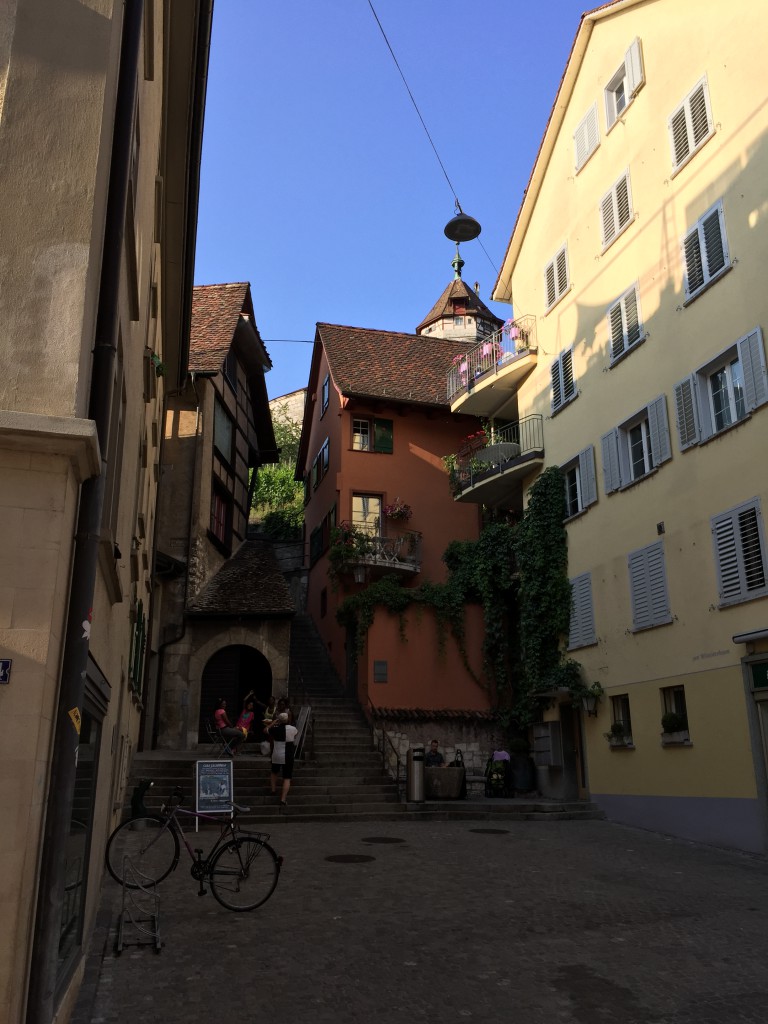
x=415, y=775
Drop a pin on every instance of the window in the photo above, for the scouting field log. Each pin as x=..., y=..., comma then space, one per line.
x=320, y=537
x=723, y=391
x=673, y=703
x=625, y=328
x=221, y=515
x=691, y=124
x=229, y=369
x=321, y=464
x=223, y=432
x=563, y=384
x=380, y=672
x=582, y=628
x=381, y=431
x=580, y=482
x=366, y=512
x=705, y=252
x=115, y=445
x=556, y=280
x=633, y=449
x=648, y=587
x=458, y=321
x=739, y=541
x=326, y=394
x=616, y=210
x=586, y=138
x=620, y=714
x=624, y=85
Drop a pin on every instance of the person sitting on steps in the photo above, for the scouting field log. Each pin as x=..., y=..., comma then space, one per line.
x=232, y=736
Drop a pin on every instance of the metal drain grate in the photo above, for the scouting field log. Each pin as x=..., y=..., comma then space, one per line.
x=382, y=839
x=491, y=831
x=349, y=858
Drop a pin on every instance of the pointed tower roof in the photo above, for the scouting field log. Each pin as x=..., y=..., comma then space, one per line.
x=458, y=289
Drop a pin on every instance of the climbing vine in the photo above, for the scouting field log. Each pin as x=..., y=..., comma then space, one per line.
x=545, y=597
x=479, y=572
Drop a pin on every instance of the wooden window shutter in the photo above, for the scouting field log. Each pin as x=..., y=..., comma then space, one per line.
x=582, y=625
x=586, y=138
x=648, y=587
x=383, y=436
x=658, y=428
x=587, y=477
x=752, y=359
x=610, y=450
x=633, y=63
x=687, y=412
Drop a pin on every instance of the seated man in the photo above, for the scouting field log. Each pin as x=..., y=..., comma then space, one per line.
x=434, y=759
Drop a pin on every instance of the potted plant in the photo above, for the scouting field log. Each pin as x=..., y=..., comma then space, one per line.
x=399, y=511
x=618, y=735
x=674, y=728
x=348, y=547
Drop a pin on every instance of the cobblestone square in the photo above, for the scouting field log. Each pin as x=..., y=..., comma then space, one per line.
x=573, y=922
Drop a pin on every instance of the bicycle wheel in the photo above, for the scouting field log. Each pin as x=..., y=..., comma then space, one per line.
x=244, y=873
x=142, y=851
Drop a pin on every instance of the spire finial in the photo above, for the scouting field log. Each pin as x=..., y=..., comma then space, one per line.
x=457, y=263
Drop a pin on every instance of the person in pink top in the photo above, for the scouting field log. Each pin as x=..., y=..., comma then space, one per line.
x=235, y=737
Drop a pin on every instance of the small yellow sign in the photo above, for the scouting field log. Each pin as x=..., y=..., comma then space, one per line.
x=74, y=714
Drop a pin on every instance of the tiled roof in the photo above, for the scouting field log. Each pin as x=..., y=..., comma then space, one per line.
x=216, y=310
x=432, y=715
x=457, y=289
x=386, y=364
x=249, y=583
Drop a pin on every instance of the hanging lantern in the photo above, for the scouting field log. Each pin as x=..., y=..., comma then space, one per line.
x=462, y=228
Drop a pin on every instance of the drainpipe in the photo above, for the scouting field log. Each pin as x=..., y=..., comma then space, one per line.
x=44, y=959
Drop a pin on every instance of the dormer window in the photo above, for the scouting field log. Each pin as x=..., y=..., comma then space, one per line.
x=459, y=307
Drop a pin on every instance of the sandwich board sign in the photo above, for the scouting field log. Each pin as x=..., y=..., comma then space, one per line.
x=213, y=787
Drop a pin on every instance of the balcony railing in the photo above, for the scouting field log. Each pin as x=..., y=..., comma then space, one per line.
x=516, y=339
x=504, y=451
x=355, y=550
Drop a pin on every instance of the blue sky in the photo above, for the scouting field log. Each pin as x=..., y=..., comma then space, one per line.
x=319, y=185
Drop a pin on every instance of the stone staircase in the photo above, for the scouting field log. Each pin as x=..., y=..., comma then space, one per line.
x=340, y=776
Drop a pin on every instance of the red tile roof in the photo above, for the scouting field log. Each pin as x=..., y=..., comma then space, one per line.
x=458, y=289
x=216, y=311
x=365, y=363
x=432, y=714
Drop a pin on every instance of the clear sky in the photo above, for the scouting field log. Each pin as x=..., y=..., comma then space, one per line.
x=319, y=185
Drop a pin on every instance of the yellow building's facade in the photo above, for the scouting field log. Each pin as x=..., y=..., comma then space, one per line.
x=101, y=107
x=641, y=248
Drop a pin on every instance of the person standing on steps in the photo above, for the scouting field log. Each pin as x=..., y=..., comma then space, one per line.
x=283, y=735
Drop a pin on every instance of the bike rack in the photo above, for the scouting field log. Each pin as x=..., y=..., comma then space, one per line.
x=140, y=910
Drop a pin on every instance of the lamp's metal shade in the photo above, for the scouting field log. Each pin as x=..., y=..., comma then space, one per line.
x=462, y=228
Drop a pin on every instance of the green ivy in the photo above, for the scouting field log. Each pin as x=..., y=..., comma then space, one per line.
x=545, y=597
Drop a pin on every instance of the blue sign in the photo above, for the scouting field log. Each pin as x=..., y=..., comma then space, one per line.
x=5, y=669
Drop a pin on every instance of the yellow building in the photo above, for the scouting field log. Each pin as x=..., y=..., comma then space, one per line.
x=101, y=107
x=639, y=367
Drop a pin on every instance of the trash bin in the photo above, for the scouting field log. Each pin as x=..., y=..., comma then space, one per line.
x=415, y=775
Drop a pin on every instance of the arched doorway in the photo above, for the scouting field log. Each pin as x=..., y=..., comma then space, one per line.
x=230, y=673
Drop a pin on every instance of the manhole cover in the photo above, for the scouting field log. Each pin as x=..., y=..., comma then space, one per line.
x=349, y=858
x=382, y=839
x=491, y=831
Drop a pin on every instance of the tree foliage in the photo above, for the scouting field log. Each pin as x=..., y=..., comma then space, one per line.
x=278, y=498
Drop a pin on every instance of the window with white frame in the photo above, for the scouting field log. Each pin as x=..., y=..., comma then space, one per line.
x=705, y=251
x=563, y=383
x=723, y=391
x=580, y=482
x=616, y=210
x=586, y=138
x=373, y=435
x=690, y=125
x=361, y=435
x=366, y=512
x=648, y=587
x=582, y=627
x=637, y=446
x=556, y=277
x=625, y=326
x=739, y=539
x=624, y=85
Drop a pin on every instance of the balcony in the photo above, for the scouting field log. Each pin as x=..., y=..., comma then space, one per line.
x=358, y=553
x=488, y=471
x=482, y=380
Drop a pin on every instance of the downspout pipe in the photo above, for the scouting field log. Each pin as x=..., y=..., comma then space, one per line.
x=43, y=965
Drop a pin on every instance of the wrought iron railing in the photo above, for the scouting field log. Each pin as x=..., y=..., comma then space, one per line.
x=502, y=450
x=390, y=759
x=493, y=354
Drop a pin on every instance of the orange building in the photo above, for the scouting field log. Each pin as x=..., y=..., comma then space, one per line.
x=377, y=425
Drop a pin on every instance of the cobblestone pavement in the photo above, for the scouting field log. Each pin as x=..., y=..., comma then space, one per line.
x=566, y=922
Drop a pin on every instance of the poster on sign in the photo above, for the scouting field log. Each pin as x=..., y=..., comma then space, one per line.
x=213, y=787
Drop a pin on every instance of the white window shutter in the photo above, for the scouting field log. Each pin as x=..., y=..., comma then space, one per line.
x=623, y=201
x=639, y=591
x=700, y=118
x=607, y=218
x=687, y=412
x=634, y=327
x=740, y=559
x=752, y=359
x=586, y=138
x=549, y=284
x=616, y=330
x=587, y=477
x=569, y=384
x=729, y=577
x=557, y=387
x=562, y=271
x=648, y=587
x=610, y=449
x=633, y=62
x=694, y=268
x=678, y=134
x=582, y=626
x=658, y=428
x=714, y=243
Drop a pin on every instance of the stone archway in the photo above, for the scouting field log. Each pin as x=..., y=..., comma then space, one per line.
x=230, y=673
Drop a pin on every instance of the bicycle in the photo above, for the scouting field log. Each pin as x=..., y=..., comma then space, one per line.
x=243, y=870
